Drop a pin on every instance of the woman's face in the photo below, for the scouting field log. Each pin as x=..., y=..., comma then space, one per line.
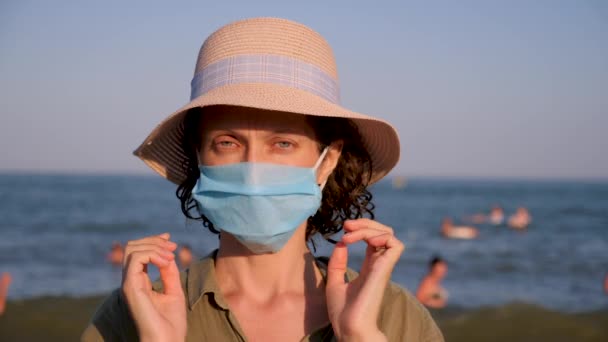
x=236, y=134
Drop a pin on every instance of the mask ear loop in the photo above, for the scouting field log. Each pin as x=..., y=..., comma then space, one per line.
x=321, y=157
x=318, y=163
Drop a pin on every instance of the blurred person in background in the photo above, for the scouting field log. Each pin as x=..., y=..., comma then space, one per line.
x=185, y=256
x=450, y=231
x=430, y=292
x=496, y=216
x=116, y=253
x=521, y=219
x=5, y=282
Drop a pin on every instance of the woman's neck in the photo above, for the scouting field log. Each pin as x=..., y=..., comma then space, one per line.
x=292, y=270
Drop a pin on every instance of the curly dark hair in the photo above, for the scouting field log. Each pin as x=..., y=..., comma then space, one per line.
x=345, y=195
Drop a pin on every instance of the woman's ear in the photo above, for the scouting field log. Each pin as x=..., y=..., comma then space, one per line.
x=329, y=163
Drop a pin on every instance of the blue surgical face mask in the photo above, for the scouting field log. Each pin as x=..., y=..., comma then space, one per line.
x=258, y=203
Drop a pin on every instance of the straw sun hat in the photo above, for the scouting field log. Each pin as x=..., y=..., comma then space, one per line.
x=271, y=64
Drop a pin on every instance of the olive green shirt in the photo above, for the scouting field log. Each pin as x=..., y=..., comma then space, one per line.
x=402, y=317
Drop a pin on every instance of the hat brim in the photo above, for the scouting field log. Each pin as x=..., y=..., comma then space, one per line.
x=161, y=150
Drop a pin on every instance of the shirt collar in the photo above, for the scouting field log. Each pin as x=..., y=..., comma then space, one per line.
x=202, y=280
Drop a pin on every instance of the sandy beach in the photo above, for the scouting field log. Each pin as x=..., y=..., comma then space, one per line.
x=64, y=318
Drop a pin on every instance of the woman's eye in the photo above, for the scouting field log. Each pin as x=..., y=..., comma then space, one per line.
x=225, y=144
x=284, y=144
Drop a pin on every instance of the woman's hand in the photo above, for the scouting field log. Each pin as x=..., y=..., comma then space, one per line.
x=353, y=307
x=158, y=316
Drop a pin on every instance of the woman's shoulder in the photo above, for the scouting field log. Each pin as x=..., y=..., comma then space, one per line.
x=111, y=322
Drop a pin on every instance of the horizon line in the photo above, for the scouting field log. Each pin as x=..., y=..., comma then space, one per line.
x=390, y=176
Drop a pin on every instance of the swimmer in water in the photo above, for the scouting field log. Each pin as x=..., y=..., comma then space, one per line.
x=185, y=256
x=448, y=230
x=5, y=282
x=430, y=292
x=116, y=254
x=496, y=216
x=521, y=219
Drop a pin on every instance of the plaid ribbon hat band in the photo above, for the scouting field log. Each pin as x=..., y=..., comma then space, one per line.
x=273, y=69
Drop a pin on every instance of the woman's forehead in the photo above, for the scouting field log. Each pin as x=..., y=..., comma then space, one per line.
x=243, y=118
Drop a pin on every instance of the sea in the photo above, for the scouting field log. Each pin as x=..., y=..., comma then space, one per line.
x=56, y=230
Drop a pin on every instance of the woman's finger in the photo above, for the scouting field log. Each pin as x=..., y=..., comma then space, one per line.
x=365, y=223
x=362, y=235
x=169, y=276
x=386, y=241
x=336, y=268
x=152, y=246
x=388, y=244
x=377, y=241
x=381, y=255
x=165, y=251
x=137, y=262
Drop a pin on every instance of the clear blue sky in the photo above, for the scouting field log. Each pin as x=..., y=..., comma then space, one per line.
x=475, y=88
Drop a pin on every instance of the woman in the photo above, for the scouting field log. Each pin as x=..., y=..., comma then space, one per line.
x=265, y=156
